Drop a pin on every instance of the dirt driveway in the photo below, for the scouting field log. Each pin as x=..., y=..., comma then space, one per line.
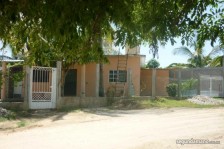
x=108, y=129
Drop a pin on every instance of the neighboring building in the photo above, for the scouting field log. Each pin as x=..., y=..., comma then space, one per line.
x=10, y=89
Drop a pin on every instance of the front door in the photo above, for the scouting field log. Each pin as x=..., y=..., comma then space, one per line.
x=70, y=86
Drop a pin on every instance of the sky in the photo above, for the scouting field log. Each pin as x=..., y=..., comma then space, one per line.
x=7, y=50
x=166, y=56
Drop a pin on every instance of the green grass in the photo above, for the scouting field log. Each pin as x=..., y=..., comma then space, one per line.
x=2, y=119
x=21, y=123
x=158, y=102
x=169, y=103
x=14, y=115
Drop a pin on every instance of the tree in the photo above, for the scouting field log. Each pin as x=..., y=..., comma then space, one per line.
x=153, y=63
x=71, y=30
x=179, y=65
x=196, y=57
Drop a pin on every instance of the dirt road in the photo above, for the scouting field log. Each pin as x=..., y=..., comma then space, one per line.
x=136, y=129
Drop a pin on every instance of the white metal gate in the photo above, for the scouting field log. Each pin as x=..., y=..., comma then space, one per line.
x=42, y=88
x=211, y=85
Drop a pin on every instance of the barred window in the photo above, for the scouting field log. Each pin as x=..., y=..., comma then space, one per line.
x=40, y=76
x=118, y=76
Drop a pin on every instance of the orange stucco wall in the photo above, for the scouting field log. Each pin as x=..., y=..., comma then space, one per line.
x=90, y=79
x=146, y=82
x=162, y=79
x=133, y=67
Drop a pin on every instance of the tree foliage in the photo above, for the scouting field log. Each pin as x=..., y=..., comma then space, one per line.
x=197, y=56
x=153, y=63
x=72, y=30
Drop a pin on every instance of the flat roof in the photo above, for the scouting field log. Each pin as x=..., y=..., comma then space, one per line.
x=11, y=60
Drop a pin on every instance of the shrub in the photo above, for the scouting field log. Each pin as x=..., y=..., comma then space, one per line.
x=189, y=87
x=189, y=84
x=7, y=114
x=172, y=89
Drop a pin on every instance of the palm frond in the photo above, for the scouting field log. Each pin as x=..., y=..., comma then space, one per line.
x=183, y=51
x=217, y=50
x=217, y=62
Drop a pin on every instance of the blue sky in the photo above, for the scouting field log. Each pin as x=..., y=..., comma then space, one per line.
x=166, y=56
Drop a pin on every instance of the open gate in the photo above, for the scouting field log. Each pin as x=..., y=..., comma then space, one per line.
x=42, y=88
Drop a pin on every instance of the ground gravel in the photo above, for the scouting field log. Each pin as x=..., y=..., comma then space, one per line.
x=205, y=100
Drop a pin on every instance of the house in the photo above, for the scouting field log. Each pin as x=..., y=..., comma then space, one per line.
x=77, y=85
x=81, y=83
x=89, y=74
x=91, y=84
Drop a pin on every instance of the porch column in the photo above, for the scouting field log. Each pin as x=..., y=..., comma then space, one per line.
x=130, y=84
x=97, y=79
x=223, y=75
x=83, y=81
x=3, y=88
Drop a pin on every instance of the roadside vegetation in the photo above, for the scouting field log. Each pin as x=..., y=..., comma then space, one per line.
x=158, y=102
x=19, y=120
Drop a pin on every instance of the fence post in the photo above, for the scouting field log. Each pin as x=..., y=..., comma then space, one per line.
x=83, y=81
x=131, y=91
x=27, y=87
x=199, y=85
x=3, y=87
x=153, y=83
x=179, y=82
x=58, y=84
x=223, y=78
x=97, y=80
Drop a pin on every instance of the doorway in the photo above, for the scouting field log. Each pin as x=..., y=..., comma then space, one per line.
x=70, y=86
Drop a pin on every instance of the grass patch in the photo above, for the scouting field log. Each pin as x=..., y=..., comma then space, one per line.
x=169, y=103
x=7, y=115
x=158, y=102
x=21, y=124
x=2, y=119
